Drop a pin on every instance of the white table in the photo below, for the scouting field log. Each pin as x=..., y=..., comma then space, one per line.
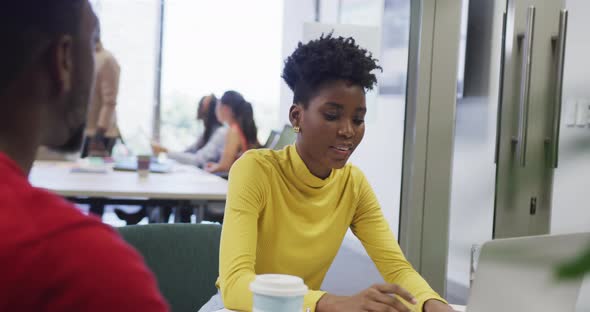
x=457, y=308
x=184, y=186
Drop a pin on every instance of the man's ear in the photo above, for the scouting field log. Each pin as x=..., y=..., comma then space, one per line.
x=62, y=64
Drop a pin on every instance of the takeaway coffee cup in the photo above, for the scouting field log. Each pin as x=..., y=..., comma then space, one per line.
x=278, y=293
x=143, y=165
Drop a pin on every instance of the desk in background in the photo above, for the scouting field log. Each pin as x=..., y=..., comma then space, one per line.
x=184, y=187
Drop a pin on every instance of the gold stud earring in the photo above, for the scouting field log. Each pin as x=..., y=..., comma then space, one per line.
x=296, y=129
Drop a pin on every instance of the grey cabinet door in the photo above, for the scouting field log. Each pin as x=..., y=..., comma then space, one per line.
x=570, y=211
x=528, y=106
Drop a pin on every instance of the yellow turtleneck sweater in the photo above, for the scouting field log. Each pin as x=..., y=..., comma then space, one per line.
x=280, y=218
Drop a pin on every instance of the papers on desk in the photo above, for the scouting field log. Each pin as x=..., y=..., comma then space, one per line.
x=458, y=308
x=89, y=170
x=90, y=165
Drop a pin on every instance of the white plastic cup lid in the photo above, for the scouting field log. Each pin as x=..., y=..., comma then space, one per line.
x=278, y=285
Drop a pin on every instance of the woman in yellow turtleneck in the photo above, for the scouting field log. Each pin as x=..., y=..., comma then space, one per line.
x=288, y=211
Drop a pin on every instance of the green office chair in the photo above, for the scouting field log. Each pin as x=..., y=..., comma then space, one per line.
x=183, y=257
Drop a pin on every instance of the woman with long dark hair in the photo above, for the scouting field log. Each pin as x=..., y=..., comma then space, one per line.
x=209, y=146
x=206, y=113
x=237, y=113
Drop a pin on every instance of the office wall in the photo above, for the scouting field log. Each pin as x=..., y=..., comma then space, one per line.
x=295, y=14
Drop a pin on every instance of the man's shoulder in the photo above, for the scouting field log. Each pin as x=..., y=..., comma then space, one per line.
x=28, y=214
x=46, y=243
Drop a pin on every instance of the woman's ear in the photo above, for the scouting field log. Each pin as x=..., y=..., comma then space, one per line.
x=295, y=113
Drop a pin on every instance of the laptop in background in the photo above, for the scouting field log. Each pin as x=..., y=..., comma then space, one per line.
x=519, y=274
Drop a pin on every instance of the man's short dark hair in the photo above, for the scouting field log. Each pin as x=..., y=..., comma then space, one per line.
x=325, y=60
x=27, y=28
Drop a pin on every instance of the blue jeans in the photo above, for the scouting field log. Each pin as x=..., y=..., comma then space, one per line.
x=214, y=304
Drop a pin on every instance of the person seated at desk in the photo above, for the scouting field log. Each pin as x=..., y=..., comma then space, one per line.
x=53, y=258
x=208, y=149
x=237, y=113
x=209, y=146
x=288, y=211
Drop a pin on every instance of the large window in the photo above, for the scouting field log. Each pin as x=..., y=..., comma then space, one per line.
x=214, y=46
x=208, y=47
x=129, y=30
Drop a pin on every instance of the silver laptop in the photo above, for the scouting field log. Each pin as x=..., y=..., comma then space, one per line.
x=519, y=275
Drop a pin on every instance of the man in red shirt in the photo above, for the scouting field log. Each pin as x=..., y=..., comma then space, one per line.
x=52, y=257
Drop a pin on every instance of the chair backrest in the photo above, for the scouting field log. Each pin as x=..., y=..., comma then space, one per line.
x=272, y=140
x=287, y=137
x=183, y=257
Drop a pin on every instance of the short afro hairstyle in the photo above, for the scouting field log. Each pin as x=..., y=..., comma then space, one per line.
x=325, y=60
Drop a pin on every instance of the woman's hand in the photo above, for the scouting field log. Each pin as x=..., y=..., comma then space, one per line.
x=211, y=167
x=437, y=306
x=158, y=149
x=379, y=297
